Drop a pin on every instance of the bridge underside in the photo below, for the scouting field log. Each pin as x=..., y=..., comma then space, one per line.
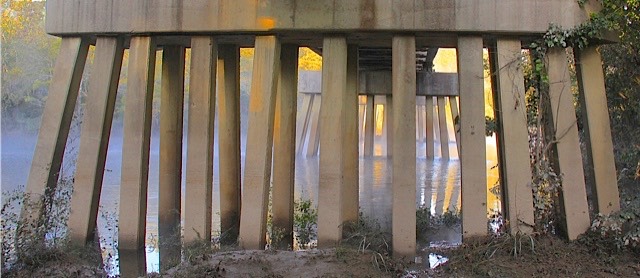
x=350, y=50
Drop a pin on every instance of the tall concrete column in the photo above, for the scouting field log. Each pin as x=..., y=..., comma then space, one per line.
x=596, y=124
x=573, y=192
x=513, y=135
x=429, y=128
x=199, y=169
x=229, y=140
x=388, y=118
x=170, y=182
x=314, y=135
x=257, y=171
x=404, y=147
x=303, y=123
x=94, y=139
x=332, y=135
x=350, y=201
x=369, y=126
x=419, y=119
x=442, y=128
x=55, y=124
x=135, y=144
x=284, y=136
x=472, y=137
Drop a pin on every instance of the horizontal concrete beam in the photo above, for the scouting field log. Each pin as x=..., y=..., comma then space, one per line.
x=427, y=83
x=73, y=17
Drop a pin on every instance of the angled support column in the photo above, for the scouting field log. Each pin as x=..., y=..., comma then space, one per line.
x=54, y=127
x=314, y=135
x=404, y=147
x=257, y=171
x=442, y=128
x=596, y=124
x=94, y=139
x=513, y=135
x=573, y=192
x=229, y=141
x=350, y=201
x=369, y=126
x=455, y=116
x=199, y=171
x=303, y=123
x=332, y=135
x=429, y=128
x=472, y=137
x=135, y=145
x=284, y=136
x=170, y=182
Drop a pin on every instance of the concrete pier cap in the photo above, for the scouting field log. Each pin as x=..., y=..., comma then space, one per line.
x=373, y=22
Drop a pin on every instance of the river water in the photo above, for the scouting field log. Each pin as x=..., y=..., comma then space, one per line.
x=437, y=184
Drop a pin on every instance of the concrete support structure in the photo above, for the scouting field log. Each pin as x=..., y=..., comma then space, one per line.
x=596, y=124
x=55, y=124
x=199, y=171
x=135, y=145
x=94, y=139
x=567, y=147
x=429, y=130
x=229, y=140
x=170, y=181
x=369, y=126
x=332, y=134
x=472, y=139
x=442, y=128
x=257, y=171
x=350, y=201
x=513, y=135
x=284, y=136
x=404, y=148
x=402, y=32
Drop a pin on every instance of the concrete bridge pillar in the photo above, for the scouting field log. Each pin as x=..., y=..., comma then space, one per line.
x=94, y=139
x=199, y=171
x=332, y=135
x=257, y=172
x=567, y=148
x=229, y=140
x=135, y=144
x=442, y=128
x=513, y=136
x=404, y=147
x=595, y=117
x=170, y=181
x=429, y=128
x=472, y=136
x=284, y=137
x=369, y=126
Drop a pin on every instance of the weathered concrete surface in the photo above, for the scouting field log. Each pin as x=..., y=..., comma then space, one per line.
x=369, y=127
x=199, y=171
x=573, y=194
x=473, y=174
x=66, y=17
x=350, y=201
x=257, y=171
x=229, y=140
x=170, y=181
x=284, y=136
x=596, y=124
x=94, y=139
x=404, y=148
x=135, y=145
x=513, y=135
x=56, y=121
x=332, y=135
